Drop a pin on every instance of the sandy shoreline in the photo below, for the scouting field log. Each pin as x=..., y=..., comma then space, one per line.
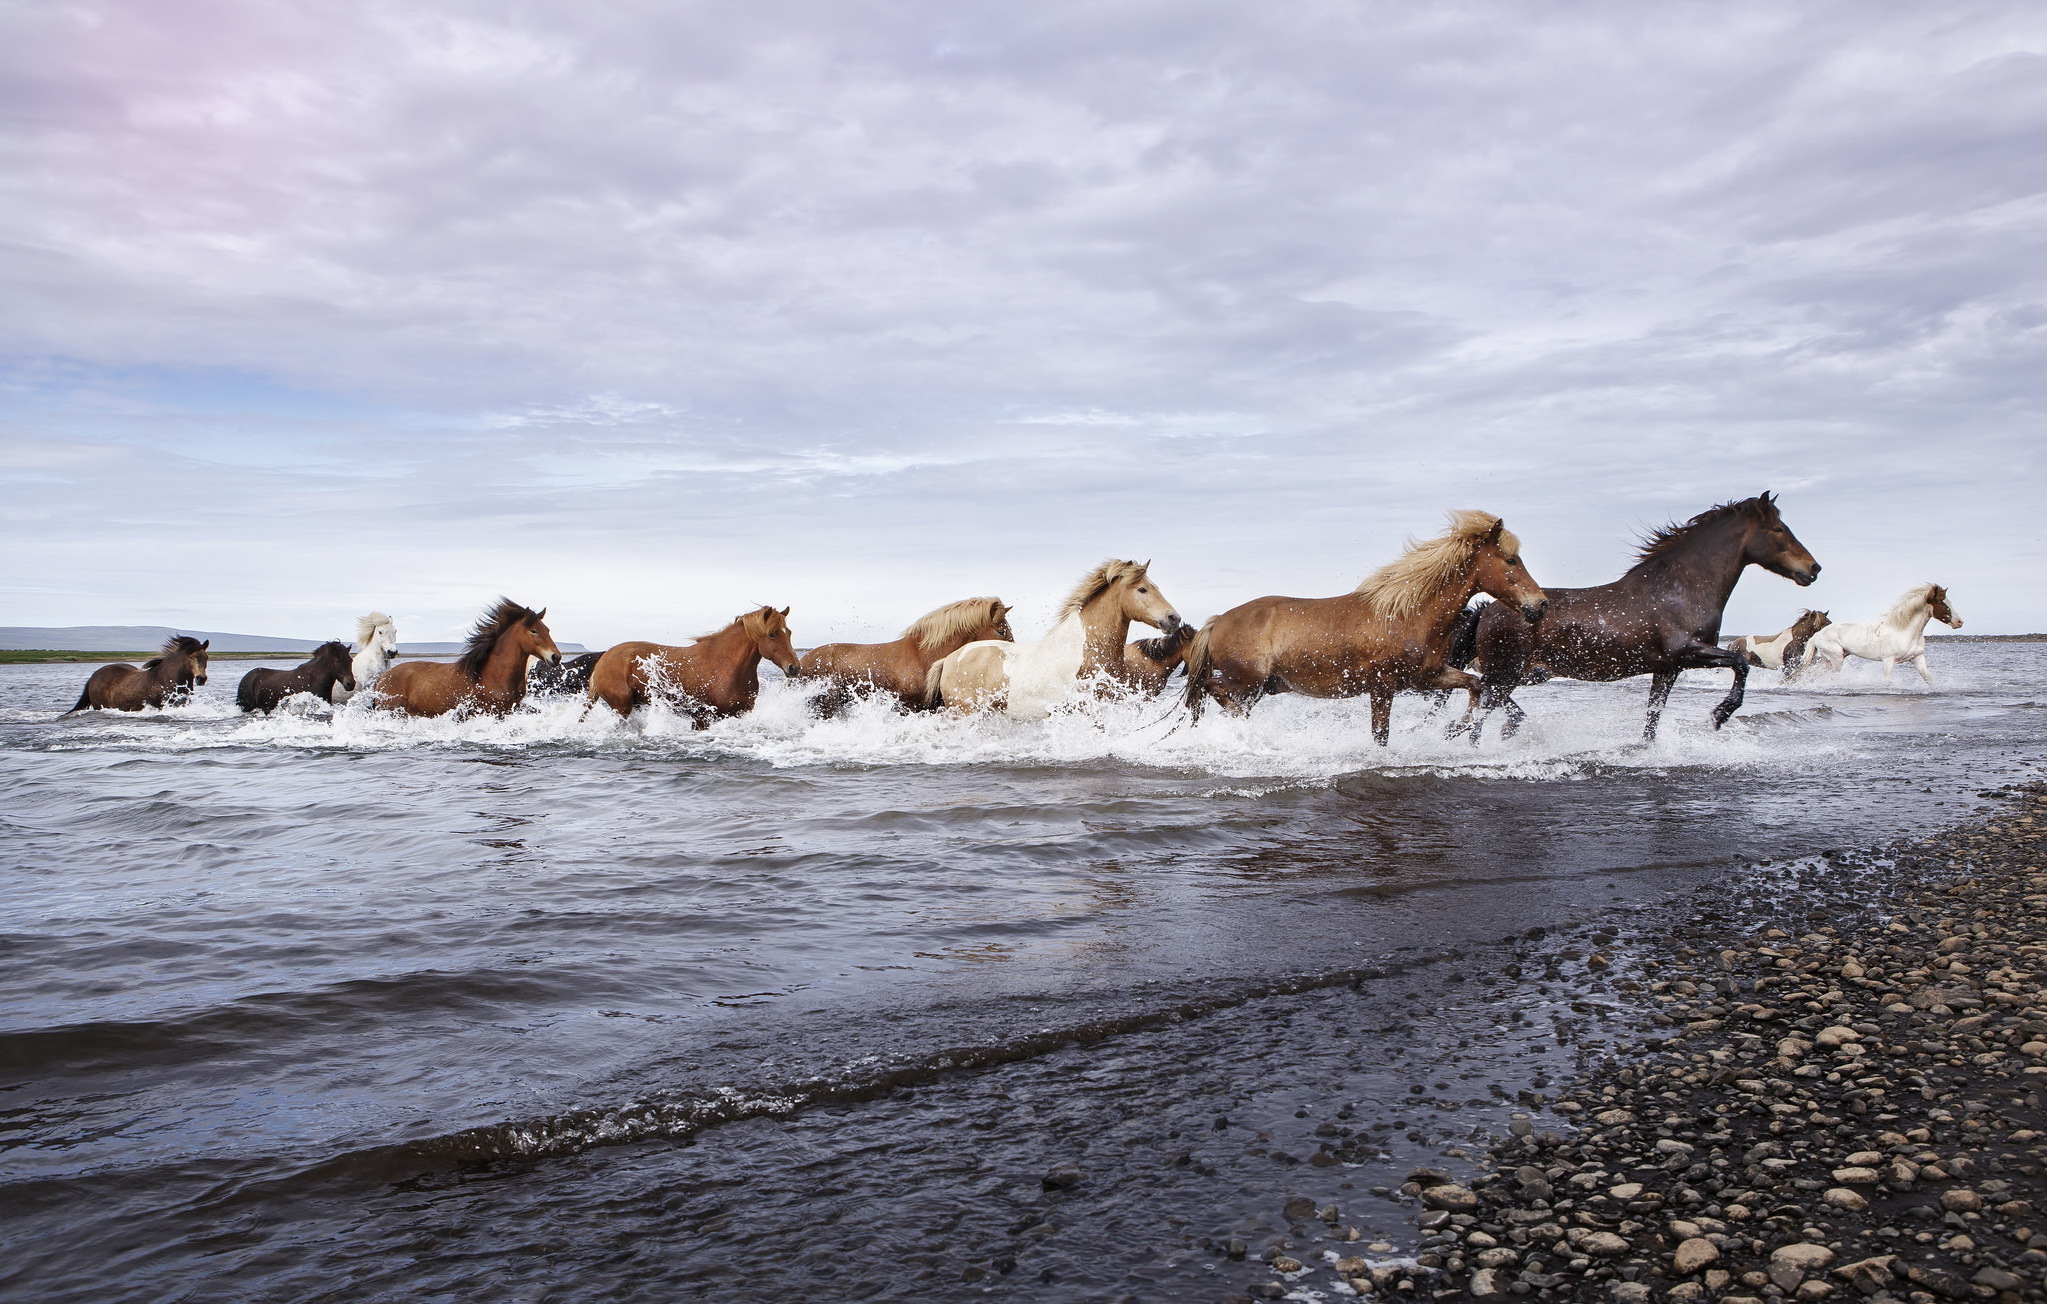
x=1843, y=1097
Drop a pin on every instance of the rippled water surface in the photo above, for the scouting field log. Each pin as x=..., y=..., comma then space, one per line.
x=337, y=1006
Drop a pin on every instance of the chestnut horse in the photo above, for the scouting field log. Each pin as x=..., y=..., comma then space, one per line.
x=1660, y=619
x=901, y=667
x=716, y=676
x=1784, y=650
x=489, y=676
x=1029, y=679
x=262, y=690
x=162, y=680
x=1149, y=662
x=1899, y=636
x=1392, y=633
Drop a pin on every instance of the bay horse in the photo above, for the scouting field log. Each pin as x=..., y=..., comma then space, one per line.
x=1149, y=662
x=900, y=667
x=327, y=669
x=714, y=677
x=376, y=642
x=489, y=675
x=1899, y=636
x=1660, y=619
x=1392, y=633
x=160, y=681
x=1785, y=649
x=1027, y=680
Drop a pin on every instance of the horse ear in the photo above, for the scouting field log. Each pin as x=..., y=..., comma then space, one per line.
x=785, y=612
x=207, y=644
x=1492, y=536
x=540, y=614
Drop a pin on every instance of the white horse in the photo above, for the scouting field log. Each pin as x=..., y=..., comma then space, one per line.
x=1027, y=680
x=376, y=641
x=1899, y=636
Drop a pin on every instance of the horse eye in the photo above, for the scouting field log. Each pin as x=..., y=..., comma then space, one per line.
x=1144, y=590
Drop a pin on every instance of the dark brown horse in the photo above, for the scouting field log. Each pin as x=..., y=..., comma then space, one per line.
x=569, y=678
x=489, y=676
x=1660, y=619
x=262, y=690
x=1391, y=634
x=718, y=675
x=162, y=680
x=901, y=667
x=1149, y=662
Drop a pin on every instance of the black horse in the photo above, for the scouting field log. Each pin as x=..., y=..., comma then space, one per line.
x=262, y=690
x=1659, y=619
x=570, y=677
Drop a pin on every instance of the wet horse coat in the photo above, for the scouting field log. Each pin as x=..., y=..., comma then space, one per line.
x=159, y=681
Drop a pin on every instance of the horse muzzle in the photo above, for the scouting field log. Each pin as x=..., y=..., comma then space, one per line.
x=1533, y=611
x=1805, y=578
x=1170, y=623
x=794, y=669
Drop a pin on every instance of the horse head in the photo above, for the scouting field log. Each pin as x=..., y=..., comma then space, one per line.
x=199, y=662
x=536, y=640
x=1936, y=601
x=997, y=627
x=334, y=658
x=1810, y=623
x=1139, y=599
x=769, y=630
x=1497, y=569
x=1772, y=546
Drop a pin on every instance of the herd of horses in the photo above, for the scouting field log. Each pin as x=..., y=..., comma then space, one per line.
x=1410, y=626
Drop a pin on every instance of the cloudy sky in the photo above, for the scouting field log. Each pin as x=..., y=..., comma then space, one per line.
x=651, y=311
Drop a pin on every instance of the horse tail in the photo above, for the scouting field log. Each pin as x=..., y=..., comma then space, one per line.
x=1464, y=637
x=84, y=699
x=1198, y=665
x=934, y=686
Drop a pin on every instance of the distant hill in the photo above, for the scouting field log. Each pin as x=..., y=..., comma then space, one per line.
x=143, y=638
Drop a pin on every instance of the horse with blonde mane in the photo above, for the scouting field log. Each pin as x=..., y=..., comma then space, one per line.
x=899, y=668
x=1390, y=634
x=1028, y=680
x=376, y=642
x=716, y=676
x=489, y=676
x=1899, y=636
x=160, y=681
x=1784, y=650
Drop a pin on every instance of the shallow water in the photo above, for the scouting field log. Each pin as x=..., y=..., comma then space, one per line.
x=332, y=1005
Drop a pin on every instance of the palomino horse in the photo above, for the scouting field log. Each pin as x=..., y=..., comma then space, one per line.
x=1391, y=633
x=1149, y=662
x=162, y=679
x=1784, y=650
x=1659, y=619
x=328, y=668
x=1899, y=636
x=1027, y=680
x=376, y=642
x=716, y=676
x=901, y=667
x=489, y=676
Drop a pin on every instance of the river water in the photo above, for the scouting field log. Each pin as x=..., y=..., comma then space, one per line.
x=337, y=1006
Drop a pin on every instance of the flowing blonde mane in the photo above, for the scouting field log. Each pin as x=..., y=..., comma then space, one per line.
x=1907, y=606
x=1399, y=588
x=1095, y=581
x=366, y=628
x=934, y=629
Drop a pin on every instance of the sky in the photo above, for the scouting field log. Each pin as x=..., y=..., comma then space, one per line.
x=652, y=312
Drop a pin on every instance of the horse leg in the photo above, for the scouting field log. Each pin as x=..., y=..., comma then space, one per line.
x=1920, y=662
x=1382, y=718
x=1890, y=665
x=1736, y=692
x=1660, y=685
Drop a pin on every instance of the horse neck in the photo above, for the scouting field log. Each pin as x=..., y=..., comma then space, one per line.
x=732, y=651
x=1706, y=563
x=1913, y=623
x=505, y=671
x=1104, y=630
x=174, y=670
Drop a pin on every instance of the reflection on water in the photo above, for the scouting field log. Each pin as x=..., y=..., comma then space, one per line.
x=865, y=971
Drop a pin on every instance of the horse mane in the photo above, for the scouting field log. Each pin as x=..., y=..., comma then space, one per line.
x=1910, y=601
x=1666, y=538
x=365, y=626
x=935, y=628
x=185, y=643
x=1094, y=582
x=1166, y=645
x=491, y=626
x=333, y=646
x=1399, y=588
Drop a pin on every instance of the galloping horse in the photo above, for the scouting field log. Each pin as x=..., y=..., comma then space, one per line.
x=1027, y=680
x=1149, y=662
x=1784, y=650
x=902, y=666
x=376, y=642
x=1391, y=633
x=162, y=680
x=718, y=675
x=489, y=676
x=1899, y=636
x=262, y=690
x=1659, y=619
